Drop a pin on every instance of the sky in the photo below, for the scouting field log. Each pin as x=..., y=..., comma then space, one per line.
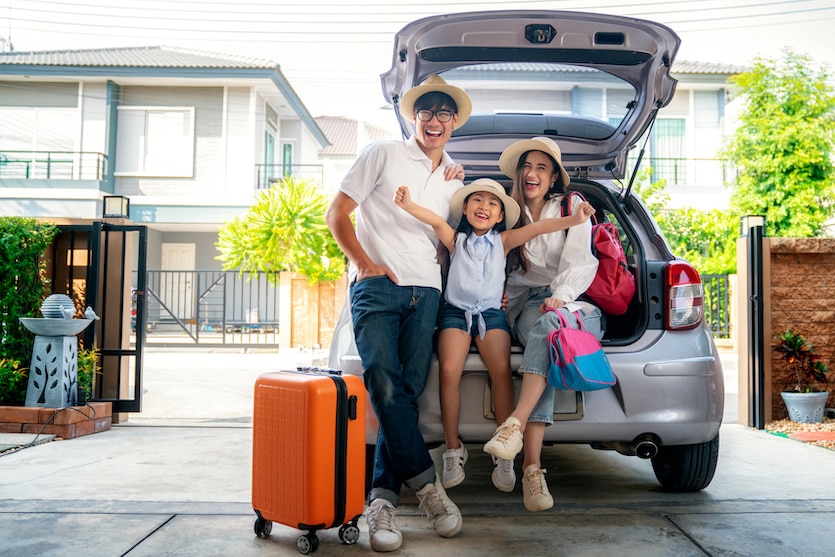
x=333, y=51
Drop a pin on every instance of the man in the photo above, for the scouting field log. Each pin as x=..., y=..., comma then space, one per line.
x=395, y=278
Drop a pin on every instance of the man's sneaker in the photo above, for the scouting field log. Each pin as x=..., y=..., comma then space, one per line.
x=535, y=492
x=504, y=478
x=454, y=461
x=442, y=513
x=506, y=441
x=382, y=529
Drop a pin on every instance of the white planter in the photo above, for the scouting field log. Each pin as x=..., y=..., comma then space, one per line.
x=805, y=407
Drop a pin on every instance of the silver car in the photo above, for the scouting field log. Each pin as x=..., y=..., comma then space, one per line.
x=594, y=83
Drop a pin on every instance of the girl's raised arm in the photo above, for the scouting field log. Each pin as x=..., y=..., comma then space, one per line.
x=445, y=232
x=518, y=236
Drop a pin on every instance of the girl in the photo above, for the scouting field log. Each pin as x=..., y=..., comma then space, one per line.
x=472, y=308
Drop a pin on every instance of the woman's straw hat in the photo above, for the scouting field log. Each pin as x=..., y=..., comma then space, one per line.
x=509, y=160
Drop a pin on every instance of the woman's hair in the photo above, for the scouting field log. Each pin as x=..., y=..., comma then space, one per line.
x=517, y=258
x=466, y=227
x=435, y=100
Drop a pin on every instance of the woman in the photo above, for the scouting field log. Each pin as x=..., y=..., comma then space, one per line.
x=550, y=271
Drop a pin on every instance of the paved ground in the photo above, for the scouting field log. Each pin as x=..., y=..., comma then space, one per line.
x=175, y=482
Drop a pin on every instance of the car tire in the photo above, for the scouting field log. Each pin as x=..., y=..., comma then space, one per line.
x=686, y=468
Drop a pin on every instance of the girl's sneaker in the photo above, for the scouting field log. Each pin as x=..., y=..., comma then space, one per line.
x=535, y=492
x=454, y=461
x=506, y=441
x=504, y=478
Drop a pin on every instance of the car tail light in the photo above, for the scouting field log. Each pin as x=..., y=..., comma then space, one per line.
x=685, y=296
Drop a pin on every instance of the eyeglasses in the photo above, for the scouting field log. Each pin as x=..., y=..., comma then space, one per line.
x=443, y=116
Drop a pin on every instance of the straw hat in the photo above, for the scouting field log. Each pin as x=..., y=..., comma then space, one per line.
x=511, y=208
x=509, y=161
x=435, y=83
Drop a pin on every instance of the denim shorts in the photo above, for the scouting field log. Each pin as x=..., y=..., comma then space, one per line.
x=450, y=317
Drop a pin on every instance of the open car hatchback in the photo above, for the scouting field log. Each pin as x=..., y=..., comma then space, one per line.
x=594, y=84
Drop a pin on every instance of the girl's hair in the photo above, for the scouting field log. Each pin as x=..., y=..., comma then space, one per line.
x=517, y=258
x=436, y=100
x=465, y=226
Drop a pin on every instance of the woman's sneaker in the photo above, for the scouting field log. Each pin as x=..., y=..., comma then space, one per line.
x=504, y=478
x=454, y=461
x=506, y=441
x=442, y=513
x=535, y=492
x=382, y=529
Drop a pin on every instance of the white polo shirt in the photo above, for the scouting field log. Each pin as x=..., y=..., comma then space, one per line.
x=389, y=234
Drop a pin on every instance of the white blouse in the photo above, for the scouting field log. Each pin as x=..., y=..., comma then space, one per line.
x=563, y=262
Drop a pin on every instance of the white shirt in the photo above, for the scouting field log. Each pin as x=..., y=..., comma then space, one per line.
x=476, y=276
x=389, y=235
x=563, y=262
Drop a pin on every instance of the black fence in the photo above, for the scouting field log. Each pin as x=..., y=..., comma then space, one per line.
x=212, y=308
x=229, y=308
x=717, y=301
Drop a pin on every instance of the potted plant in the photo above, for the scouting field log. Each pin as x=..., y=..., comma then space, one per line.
x=804, y=377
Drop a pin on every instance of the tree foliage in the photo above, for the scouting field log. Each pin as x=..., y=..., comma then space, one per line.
x=783, y=147
x=707, y=239
x=284, y=230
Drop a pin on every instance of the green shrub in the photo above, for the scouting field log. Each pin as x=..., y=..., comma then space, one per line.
x=13, y=382
x=22, y=283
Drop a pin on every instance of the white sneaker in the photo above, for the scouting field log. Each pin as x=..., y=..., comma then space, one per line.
x=454, y=461
x=535, y=492
x=504, y=478
x=442, y=513
x=506, y=441
x=382, y=529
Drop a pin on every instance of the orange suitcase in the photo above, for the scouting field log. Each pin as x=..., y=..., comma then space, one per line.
x=308, y=453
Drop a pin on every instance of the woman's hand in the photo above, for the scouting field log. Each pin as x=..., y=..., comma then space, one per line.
x=551, y=303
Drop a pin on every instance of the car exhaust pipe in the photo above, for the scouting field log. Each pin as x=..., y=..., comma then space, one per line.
x=645, y=446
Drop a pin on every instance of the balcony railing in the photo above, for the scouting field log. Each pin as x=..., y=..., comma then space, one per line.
x=52, y=165
x=268, y=174
x=689, y=172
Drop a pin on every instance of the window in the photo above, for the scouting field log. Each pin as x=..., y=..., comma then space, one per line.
x=287, y=158
x=155, y=141
x=667, y=151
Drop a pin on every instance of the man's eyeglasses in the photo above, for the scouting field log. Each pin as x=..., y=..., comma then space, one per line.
x=443, y=116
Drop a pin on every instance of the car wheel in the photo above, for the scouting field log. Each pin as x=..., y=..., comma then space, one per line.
x=683, y=468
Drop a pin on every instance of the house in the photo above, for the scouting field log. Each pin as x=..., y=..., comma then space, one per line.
x=690, y=132
x=188, y=137
x=347, y=137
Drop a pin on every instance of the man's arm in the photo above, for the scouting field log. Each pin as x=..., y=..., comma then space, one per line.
x=338, y=218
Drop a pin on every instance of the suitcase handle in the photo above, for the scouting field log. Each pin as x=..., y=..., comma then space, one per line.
x=319, y=369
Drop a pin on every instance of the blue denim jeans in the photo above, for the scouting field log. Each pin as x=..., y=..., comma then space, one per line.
x=393, y=327
x=532, y=329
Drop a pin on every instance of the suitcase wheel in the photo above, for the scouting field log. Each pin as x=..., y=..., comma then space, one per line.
x=263, y=527
x=307, y=543
x=349, y=533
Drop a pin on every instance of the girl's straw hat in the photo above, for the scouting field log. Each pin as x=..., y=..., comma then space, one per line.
x=511, y=208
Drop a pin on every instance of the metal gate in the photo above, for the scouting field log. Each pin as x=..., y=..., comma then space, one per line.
x=92, y=264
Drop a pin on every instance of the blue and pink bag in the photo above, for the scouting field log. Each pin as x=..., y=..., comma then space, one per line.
x=578, y=361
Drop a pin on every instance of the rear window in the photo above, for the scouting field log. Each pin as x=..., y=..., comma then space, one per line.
x=542, y=99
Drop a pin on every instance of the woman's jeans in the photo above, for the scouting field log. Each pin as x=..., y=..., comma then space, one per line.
x=532, y=329
x=393, y=327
